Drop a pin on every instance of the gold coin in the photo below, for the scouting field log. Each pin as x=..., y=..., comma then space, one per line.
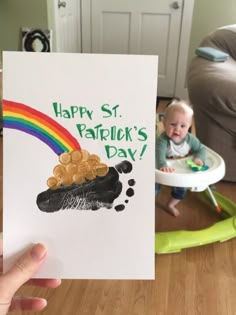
x=59, y=171
x=85, y=155
x=93, y=159
x=101, y=169
x=77, y=179
x=71, y=168
x=52, y=182
x=65, y=158
x=91, y=175
x=66, y=180
x=83, y=168
x=76, y=156
x=76, y=167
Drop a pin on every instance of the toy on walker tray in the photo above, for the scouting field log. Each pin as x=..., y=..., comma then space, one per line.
x=188, y=174
x=195, y=167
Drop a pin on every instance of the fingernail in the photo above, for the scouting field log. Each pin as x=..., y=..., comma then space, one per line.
x=38, y=252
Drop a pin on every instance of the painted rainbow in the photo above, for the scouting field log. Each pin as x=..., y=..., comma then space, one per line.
x=29, y=120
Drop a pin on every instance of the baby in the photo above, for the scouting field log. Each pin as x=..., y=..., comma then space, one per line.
x=175, y=142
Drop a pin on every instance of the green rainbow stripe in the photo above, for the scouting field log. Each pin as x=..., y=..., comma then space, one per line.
x=27, y=119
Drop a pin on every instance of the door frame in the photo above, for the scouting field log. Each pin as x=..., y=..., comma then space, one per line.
x=51, y=15
x=182, y=64
x=52, y=11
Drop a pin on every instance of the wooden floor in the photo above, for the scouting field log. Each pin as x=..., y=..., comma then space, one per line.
x=200, y=280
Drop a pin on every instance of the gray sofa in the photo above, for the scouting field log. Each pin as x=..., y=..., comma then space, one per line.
x=212, y=92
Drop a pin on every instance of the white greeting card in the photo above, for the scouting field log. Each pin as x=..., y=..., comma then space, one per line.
x=79, y=149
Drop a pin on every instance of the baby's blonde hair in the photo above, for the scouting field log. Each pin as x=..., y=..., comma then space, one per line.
x=179, y=106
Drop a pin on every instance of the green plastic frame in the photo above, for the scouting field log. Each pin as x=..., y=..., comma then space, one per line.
x=175, y=241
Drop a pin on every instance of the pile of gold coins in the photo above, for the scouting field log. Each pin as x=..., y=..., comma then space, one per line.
x=76, y=167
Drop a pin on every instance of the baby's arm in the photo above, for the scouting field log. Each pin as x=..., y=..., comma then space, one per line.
x=198, y=150
x=161, y=148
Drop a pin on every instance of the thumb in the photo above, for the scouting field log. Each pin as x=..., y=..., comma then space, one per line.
x=24, y=268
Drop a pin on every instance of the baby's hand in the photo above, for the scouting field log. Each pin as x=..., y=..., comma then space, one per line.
x=167, y=169
x=198, y=161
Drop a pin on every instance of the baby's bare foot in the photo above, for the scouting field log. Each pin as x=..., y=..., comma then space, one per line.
x=173, y=211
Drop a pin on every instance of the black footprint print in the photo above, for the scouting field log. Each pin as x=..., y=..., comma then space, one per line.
x=93, y=195
x=129, y=193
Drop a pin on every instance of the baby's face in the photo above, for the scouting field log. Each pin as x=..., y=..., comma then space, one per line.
x=177, y=125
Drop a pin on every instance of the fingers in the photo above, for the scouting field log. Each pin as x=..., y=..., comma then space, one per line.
x=198, y=161
x=167, y=169
x=27, y=304
x=1, y=251
x=48, y=283
x=22, y=271
x=1, y=263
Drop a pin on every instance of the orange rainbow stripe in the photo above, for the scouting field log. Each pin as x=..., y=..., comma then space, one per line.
x=29, y=120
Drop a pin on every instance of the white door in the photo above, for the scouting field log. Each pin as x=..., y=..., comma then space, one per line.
x=67, y=31
x=159, y=27
x=146, y=27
